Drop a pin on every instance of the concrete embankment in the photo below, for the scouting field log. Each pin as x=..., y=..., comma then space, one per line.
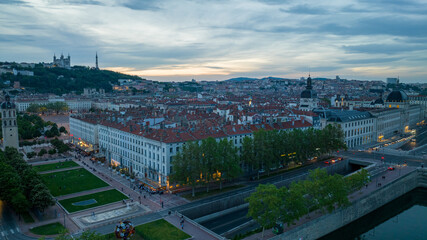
x=330, y=222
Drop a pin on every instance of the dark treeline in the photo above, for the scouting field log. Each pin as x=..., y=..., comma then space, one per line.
x=61, y=80
x=20, y=185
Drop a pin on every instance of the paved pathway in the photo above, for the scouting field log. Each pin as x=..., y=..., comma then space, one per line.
x=78, y=194
x=189, y=228
x=60, y=170
x=377, y=182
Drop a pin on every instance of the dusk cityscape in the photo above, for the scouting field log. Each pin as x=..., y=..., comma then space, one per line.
x=174, y=120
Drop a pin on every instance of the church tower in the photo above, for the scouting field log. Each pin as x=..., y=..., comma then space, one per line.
x=9, y=127
x=308, y=99
x=97, y=61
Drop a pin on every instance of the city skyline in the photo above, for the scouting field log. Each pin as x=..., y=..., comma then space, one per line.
x=218, y=40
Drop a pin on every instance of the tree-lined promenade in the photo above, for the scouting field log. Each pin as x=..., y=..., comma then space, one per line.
x=49, y=107
x=215, y=161
x=269, y=205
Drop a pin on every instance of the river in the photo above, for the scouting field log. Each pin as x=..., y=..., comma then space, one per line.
x=404, y=218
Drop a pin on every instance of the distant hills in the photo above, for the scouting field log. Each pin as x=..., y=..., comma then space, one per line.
x=61, y=80
x=240, y=79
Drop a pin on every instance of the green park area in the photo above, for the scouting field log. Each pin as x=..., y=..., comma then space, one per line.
x=157, y=230
x=71, y=181
x=92, y=200
x=55, y=166
x=49, y=229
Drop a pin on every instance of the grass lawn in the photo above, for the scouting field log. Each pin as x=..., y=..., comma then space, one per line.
x=54, y=166
x=49, y=229
x=210, y=193
x=72, y=181
x=27, y=217
x=101, y=198
x=157, y=230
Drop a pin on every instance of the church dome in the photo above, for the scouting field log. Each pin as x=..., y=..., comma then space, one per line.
x=397, y=96
x=7, y=104
x=379, y=101
x=308, y=93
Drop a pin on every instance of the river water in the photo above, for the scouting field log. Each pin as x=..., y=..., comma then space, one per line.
x=402, y=219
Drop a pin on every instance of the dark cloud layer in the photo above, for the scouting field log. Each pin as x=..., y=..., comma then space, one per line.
x=241, y=37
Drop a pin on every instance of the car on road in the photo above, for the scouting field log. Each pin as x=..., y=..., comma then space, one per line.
x=261, y=171
x=390, y=168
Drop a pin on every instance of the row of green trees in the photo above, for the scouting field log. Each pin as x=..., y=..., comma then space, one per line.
x=269, y=205
x=20, y=185
x=60, y=147
x=49, y=107
x=214, y=161
x=271, y=149
x=202, y=163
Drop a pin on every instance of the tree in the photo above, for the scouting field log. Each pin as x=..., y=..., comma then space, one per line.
x=186, y=165
x=264, y=205
x=227, y=166
x=248, y=153
x=20, y=203
x=52, y=151
x=209, y=159
x=33, y=108
x=42, y=152
x=40, y=197
x=295, y=205
x=9, y=182
x=62, y=129
x=358, y=180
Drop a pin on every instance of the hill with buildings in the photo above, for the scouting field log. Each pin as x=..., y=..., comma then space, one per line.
x=42, y=79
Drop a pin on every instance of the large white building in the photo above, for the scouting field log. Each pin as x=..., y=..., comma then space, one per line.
x=74, y=104
x=148, y=152
x=359, y=127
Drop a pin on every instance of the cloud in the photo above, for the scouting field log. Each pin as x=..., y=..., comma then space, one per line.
x=389, y=25
x=381, y=48
x=370, y=60
x=306, y=9
x=13, y=2
x=140, y=5
x=254, y=38
x=82, y=2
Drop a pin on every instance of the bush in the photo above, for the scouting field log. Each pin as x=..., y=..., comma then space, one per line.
x=52, y=151
x=42, y=152
x=31, y=154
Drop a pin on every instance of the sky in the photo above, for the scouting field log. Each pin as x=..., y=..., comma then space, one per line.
x=221, y=39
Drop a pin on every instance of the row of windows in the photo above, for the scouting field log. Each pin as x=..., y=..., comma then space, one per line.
x=10, y=123
x=11, y=113
x=353, y=132
x=358, y=123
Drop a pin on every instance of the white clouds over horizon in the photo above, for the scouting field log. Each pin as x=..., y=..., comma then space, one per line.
x=179, y=40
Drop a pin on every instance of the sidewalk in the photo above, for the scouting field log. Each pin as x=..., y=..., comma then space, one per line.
x=189, y=228
x=377, y=182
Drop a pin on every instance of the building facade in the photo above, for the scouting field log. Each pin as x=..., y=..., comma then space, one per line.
x=147, y=152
